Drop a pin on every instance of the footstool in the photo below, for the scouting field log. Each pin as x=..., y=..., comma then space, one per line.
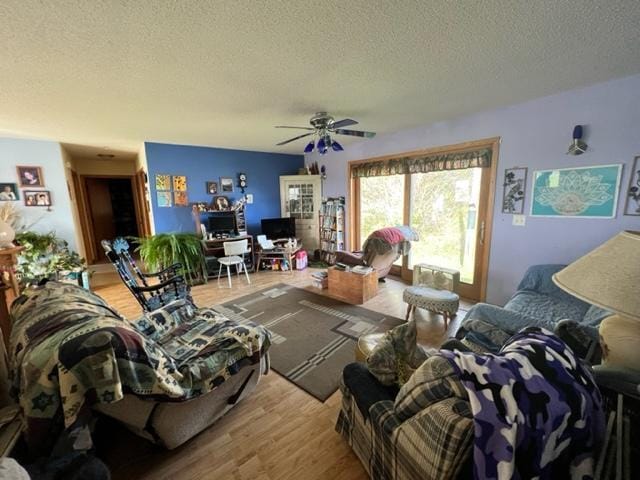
x=442, y=302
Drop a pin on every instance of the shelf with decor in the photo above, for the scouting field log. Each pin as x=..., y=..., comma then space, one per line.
x=332, y=215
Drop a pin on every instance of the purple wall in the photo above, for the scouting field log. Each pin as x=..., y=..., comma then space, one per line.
x=536, y=135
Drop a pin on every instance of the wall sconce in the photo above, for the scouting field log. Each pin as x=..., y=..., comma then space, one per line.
x=323, y=172
x=577, y=147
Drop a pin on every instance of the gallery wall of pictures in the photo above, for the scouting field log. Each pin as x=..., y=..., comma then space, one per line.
x=30, y=188
x=171, y=190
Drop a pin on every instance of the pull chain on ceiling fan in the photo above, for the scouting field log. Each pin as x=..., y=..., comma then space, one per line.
x=323, y=126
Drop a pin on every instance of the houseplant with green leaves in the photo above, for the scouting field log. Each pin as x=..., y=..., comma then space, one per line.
x=164, y=249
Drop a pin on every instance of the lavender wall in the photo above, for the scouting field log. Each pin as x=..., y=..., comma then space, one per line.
x=534, y=134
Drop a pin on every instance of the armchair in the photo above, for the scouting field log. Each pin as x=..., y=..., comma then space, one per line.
x=169, y=284
x=381, y=249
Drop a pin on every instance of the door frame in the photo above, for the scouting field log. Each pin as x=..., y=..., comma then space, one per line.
x=84, y=212
x=484, y=215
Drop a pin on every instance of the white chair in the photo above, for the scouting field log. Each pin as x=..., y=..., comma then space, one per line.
x=234, y=255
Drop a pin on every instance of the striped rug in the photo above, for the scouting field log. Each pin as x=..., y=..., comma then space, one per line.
x=313, y=336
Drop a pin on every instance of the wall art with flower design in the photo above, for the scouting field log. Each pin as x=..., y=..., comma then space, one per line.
x=585, y=192
x=632, y=206
x=513, y=189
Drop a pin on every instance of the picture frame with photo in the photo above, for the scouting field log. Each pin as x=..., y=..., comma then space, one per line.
x=9, y=192
x=163, y=181
x=180, y=183
x=220, y=203
x=212, y=188
x=632, y=205
x=514, y=188
x=164, y=199
x=37, y=198
x=226, y=184
x=30, y=176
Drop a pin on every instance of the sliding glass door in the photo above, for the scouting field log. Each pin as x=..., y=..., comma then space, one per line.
x=449, y=208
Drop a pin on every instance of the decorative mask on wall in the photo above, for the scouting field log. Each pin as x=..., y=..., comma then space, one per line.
x=577, y=147
x=242, y=181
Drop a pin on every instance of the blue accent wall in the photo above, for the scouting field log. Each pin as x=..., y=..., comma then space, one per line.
x=202, y=164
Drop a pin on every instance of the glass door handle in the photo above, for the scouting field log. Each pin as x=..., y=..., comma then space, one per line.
x=482, y=233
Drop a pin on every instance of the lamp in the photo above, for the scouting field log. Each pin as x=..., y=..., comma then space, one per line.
x=609, y=277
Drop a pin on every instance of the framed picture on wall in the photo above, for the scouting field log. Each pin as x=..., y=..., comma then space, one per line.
x=513, y=190
x=226, y=184
x=9, y=192
x=163, y=181
x=164, y=199
x=180, y=199
x=582, y=192
x=220, y=203
x=30, y=176
x=37, y=198
x=180, y=183
x=632, y=206
x=212, y=188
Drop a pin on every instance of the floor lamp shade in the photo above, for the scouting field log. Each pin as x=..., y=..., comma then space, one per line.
x=609, y=277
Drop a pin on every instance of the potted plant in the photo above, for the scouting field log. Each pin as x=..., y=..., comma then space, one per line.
x=164, y=249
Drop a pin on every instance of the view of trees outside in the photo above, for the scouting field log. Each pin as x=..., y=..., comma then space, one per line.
x=443, y=211
x=381, y=203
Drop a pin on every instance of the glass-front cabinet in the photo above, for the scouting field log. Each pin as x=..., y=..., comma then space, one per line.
x=300, y=198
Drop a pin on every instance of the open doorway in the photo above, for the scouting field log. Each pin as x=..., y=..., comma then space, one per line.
x=109, y=193
x=111, y=210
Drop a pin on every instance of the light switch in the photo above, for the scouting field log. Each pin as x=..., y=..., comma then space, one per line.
x=249, y=197
x=519, y=220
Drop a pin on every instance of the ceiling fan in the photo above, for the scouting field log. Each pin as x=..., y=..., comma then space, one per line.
x=323, y=125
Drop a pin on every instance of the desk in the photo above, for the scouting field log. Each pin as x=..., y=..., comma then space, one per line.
x=215, y=248
x=9, y=288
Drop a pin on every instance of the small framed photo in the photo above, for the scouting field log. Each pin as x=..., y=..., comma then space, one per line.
x=514, y=187
x=226, y=184
x=632, y=206
x=37, y=198
x=220, y=203
x=212, y=188
x=30, y=176
x=9, y=192
x=163, y=181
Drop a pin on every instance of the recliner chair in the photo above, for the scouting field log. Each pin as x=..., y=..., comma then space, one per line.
x=381, y=249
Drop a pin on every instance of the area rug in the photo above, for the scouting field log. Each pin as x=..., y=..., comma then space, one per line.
x=313, y=336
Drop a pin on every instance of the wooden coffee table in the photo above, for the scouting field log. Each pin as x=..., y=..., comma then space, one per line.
x=352, y=287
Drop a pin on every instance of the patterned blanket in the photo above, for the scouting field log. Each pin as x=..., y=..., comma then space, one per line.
x=70, y=350
x=537, y=411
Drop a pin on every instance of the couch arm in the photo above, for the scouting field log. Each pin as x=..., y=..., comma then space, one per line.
x=507, y=320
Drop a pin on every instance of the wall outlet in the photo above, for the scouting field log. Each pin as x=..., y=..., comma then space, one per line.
x=249, y=197
x=519, y=220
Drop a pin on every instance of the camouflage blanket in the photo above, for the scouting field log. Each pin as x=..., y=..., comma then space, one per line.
x=537, y=412
x=70, y=350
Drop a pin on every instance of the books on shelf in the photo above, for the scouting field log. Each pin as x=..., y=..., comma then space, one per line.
x=331, y=228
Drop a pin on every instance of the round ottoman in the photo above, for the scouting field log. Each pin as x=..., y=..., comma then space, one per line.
x=442, y=302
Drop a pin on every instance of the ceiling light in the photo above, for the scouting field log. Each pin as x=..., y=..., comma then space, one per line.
x=309, y=147
x=336, y=146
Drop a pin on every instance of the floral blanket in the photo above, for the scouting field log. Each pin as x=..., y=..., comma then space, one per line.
x=537, y=412
x=70, y=350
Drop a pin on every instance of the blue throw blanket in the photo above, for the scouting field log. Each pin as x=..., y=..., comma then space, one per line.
x=537, y=411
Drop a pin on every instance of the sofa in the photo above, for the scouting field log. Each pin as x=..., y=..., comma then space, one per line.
x=453, y=418
x=539, y=302
x=381, y=249
x=166, y=375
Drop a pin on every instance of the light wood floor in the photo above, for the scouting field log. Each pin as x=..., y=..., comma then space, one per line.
x=280, y=432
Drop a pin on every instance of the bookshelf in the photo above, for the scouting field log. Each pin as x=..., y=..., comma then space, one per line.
x=331, y=228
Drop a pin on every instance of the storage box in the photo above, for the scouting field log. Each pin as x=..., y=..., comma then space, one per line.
x=301, y=260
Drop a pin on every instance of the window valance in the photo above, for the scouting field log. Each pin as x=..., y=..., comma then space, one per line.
x=423, y=163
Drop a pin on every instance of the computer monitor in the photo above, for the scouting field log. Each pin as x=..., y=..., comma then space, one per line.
x=275, y=228
x=222, y=223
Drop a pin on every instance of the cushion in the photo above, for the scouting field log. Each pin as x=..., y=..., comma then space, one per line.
x=434, y=381
x=546, y=307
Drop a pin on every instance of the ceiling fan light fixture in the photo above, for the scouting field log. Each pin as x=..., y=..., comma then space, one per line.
x=322, y=146
x=309, y=147
x=336, y=146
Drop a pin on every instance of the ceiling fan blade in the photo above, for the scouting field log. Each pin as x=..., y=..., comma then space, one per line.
x=295, y=138
x=299, y=128
x=343, y=123
x=356, y=133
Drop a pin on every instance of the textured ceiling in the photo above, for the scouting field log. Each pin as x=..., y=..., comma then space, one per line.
x=115, y=73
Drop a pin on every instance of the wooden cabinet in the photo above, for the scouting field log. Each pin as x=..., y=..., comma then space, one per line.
x=300, y=198
x=352, y=287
